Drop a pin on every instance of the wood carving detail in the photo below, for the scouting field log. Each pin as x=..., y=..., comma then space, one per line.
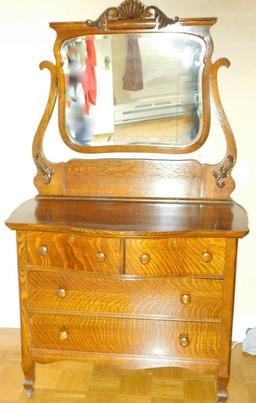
x=38, y=155
x=224, y=168
x=132, y=9
x=223, y=171
x=43, y=167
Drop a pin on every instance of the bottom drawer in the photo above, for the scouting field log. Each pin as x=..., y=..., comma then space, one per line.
x=125, y=336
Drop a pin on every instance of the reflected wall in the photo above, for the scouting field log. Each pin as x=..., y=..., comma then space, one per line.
x=133, y=89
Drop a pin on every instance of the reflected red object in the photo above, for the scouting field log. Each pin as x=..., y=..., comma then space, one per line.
x=88, y=77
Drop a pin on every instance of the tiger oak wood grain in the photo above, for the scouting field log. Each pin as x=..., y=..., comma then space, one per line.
x=175, y=255
x=125, y=336
x=124, y=296
x=127, y=236
x=72, y=382
x=73, y=251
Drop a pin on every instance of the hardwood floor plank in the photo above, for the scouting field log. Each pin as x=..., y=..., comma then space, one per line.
x=78, y=382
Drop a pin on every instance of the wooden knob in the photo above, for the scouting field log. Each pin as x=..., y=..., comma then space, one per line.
x=207, y=256
x=184, y=340
x=185, y=299
x=145, y=258
x=43, y=250
x=71, y=238
x=61, y=292
x=100, y=257
x=174, y=244
x=63, y=335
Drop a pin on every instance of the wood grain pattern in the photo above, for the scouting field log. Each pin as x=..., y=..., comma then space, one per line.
x=81, y=382
x=228, y=306
x=175, y=223
x=175, y=255
x=143, y=178
x=28, y=364
x=183, y=179
x=123, y=239
x=134, y=218
x=124, y=296
x=125, y=336
x=72, y=179
x=74, y=251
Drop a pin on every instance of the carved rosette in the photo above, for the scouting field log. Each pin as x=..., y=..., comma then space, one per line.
x=223, y=172
x=132, y=9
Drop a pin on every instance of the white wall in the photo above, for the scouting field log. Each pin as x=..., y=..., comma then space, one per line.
x=26, y=40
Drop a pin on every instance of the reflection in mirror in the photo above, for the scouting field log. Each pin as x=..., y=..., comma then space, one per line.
x=134, y=89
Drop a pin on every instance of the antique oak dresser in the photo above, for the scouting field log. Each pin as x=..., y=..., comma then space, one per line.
x=127, y=255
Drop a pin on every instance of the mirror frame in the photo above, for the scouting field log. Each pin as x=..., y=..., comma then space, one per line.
x=152, y=177
x=133, y=17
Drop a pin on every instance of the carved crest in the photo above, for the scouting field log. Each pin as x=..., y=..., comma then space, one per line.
x=223, y=171
x=132, y=9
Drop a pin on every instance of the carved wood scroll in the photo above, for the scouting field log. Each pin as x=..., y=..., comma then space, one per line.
x=135, y=178
x=222, y=171
x=45, y=169
x=132, y=9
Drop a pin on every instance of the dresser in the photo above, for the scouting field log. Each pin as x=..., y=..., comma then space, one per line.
x=130, y=262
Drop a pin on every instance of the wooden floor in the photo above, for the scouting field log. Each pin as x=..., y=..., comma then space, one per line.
x=74, y=382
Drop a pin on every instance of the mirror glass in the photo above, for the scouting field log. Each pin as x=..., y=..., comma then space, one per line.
x=133, y=89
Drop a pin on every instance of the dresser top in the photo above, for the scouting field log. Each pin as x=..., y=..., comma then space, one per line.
x=132, y=218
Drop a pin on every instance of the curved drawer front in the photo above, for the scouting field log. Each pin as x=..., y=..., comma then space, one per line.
x=125, y=336
x=67, y=250
x=175, y=297
x=175, y=256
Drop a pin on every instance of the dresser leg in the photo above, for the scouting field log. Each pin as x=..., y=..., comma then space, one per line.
x=222, y=392
x=29, y=372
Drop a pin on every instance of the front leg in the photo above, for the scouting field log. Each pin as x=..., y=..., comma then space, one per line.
x=29, y=373
x=222, y=391
x=28, y=364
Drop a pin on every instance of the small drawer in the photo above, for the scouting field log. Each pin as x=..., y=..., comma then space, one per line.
x=175, y=256
x=125, y=336
x=73, y=251
x=173, y=297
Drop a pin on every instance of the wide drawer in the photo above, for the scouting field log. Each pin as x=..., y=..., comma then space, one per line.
x=125, y=336
x=74, y=251
x=175, y=256
x=175, y=297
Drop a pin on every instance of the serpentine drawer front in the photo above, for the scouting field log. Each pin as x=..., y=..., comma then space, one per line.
x=126, y=298
x=172, y=297
x=175, y=256
x=142, y=256
x=125, y=336
x=73, y=251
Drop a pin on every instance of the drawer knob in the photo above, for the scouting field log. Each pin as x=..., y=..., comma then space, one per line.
x=100, y=257
x=145, y=258
x=207, y=256
x=63, y=335
x=61, y=292
x=71, y=238
x=174, y=244
x=43, y=250
x=184, y=340
x=185, y=299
